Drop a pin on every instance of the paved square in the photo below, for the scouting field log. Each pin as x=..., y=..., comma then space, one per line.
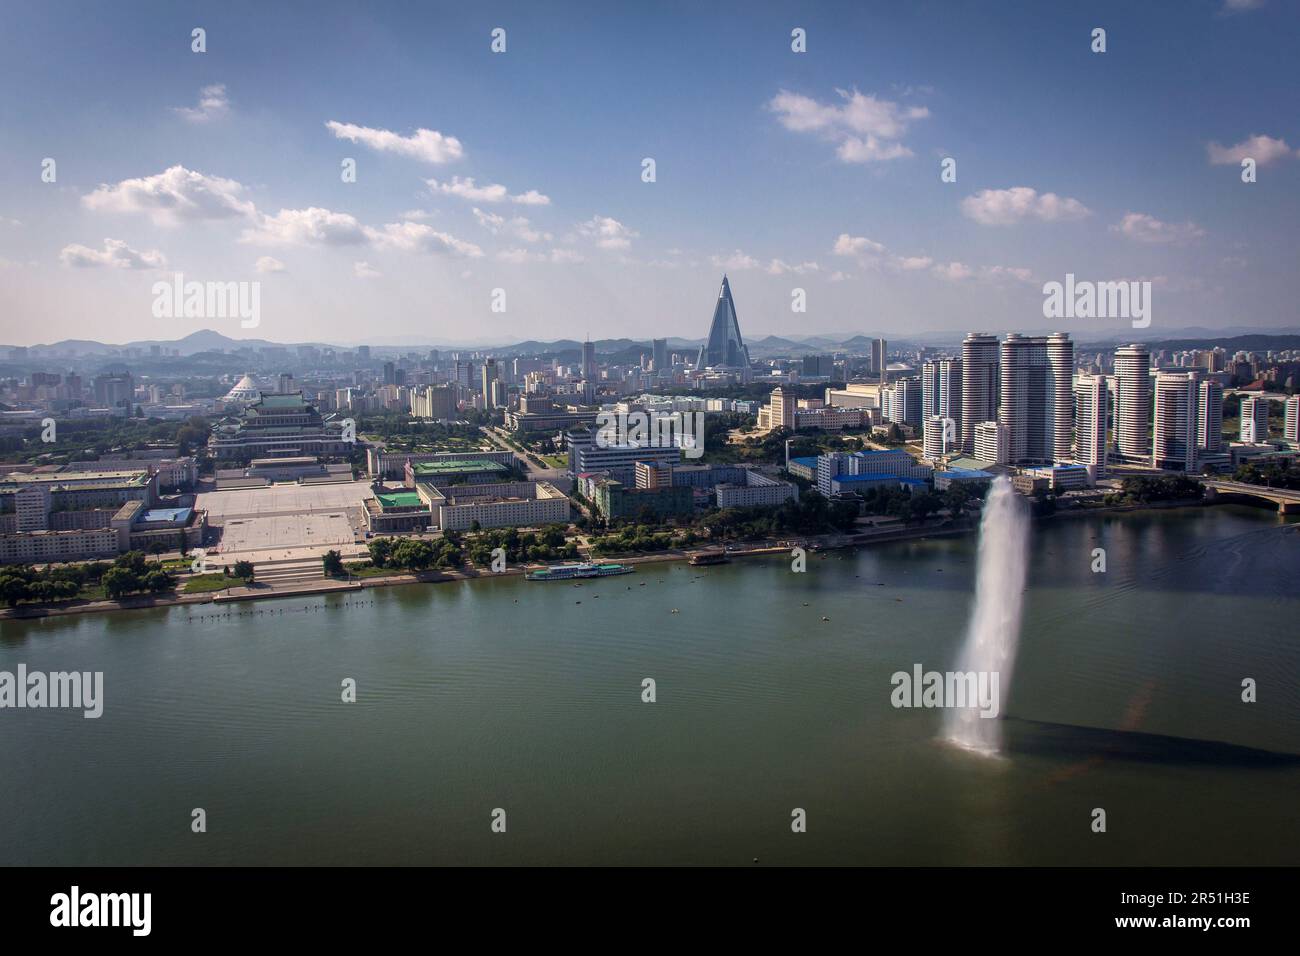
x=286, y=499
x=281, y=535
x=288, y=521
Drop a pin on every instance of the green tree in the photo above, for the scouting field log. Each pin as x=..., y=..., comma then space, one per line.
x=157, y=581
x=332, y=563
x=120, y=581
x=380, y=549
x=14, y=589
x=244, y=569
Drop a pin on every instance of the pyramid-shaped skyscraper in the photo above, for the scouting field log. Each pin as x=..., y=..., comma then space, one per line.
x=725, y=348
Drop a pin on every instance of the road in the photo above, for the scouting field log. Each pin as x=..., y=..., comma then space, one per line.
x=556, y=476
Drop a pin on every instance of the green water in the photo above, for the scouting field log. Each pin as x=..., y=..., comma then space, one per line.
x=526, y=696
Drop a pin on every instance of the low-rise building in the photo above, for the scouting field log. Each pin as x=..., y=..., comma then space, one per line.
x=756, y=490
x=615, y=500
x=501, y=505
x=1065, y=477
x=943, y=480
x=383, y=464
x=392, y=512
x=454, y=471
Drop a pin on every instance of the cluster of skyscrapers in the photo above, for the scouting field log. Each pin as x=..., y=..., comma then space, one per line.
x=1019, y=401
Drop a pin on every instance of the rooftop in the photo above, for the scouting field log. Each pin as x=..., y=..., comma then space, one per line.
x=293, y=400
x=82, y=479
x=456, y=465
x=399, y=499
x=167, y=515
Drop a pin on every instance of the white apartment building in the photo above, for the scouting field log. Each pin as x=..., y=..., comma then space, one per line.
x=759, y=490
x=1174, y=428
x=979, y=385
x=1254, y=420
x=1091, y=425
x=991, y=442
x=1209, y=417
x=1133, y=403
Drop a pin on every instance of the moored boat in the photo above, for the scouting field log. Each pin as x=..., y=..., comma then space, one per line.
x=583, y=569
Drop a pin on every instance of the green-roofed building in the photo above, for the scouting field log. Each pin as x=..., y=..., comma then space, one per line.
x=393, y=511
x=278, y=425
x=455, y=471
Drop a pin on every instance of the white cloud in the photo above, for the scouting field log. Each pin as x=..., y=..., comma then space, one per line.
x=311, y=226
x=870, y=150
x=736, y=262
x=426, y=145
x=1140, y=227
x=1241, y=6
x=1008, y=272
x=364, y=270
x=1003, y=207
x=912, y=263
x=417, y=237
x=466, y=188
x=213, y=104
x=116, y=254
x=847, y=245
x=777, y=267
x=865, y=128
x=415, y=214
x=518, y=227
x=520, y=256
x=490, y=221
x=269, y=264
x=531, y=198
x=609, y=233
x=1262, y=149
x=174, y=196
x=555, y=256
x=840, y=276
x=953, y=271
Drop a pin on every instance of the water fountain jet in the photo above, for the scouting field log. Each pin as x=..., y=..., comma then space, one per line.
x=993, y=633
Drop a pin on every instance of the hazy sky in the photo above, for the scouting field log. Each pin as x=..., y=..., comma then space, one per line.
x=522, y=170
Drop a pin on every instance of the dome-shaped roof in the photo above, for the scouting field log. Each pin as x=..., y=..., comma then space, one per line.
x=245, y=390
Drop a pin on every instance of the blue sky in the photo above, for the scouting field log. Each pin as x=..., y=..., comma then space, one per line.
x=817, y=170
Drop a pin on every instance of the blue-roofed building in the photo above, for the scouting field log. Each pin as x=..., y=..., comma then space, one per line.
x=805, y=468
x=944, y=480
x=847, y=484
x=882, y=461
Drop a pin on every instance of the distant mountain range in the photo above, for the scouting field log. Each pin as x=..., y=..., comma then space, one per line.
x=771, y=346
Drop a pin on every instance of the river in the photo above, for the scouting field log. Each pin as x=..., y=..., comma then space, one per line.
x=527, y=697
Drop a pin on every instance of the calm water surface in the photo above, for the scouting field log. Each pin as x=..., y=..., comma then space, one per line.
x=527, y=696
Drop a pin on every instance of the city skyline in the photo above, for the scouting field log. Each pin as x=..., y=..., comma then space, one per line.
x=221, y=169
